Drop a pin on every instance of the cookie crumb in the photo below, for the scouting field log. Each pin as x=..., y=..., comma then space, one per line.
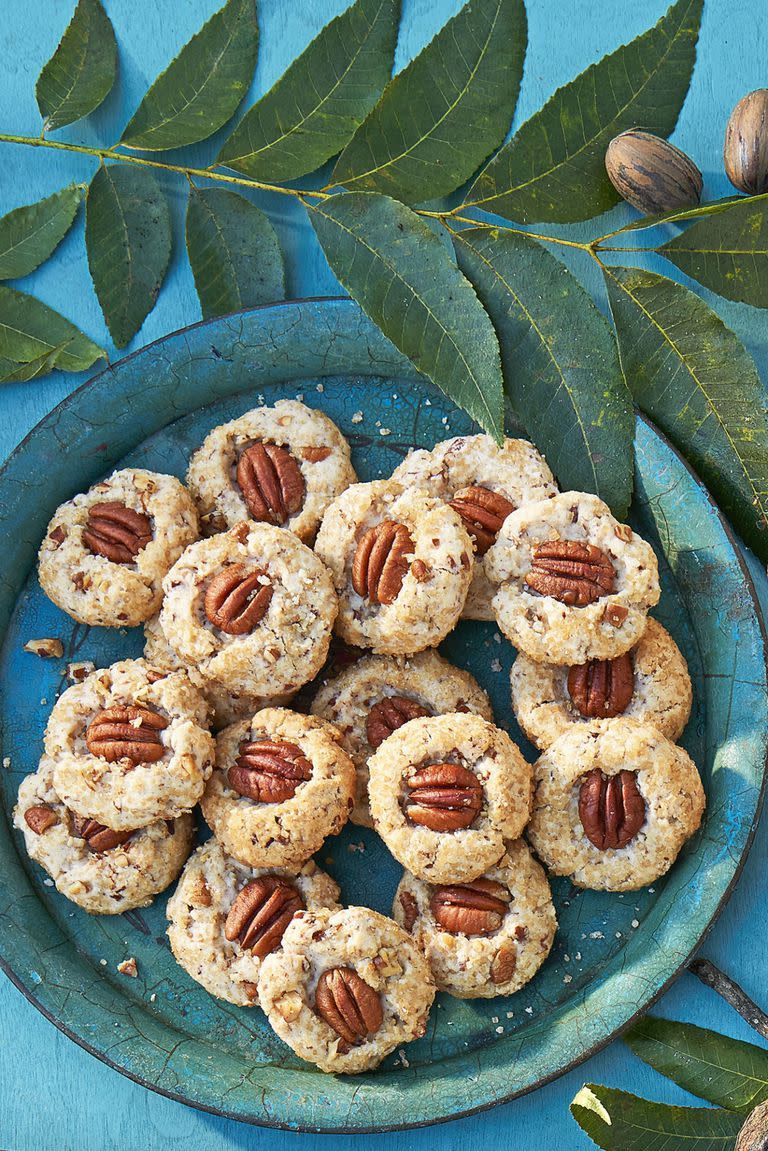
x=128, y=967
x=45, y=648
x=80, y=670
x=357, y=418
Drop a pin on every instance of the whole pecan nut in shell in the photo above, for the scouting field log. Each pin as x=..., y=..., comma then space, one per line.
x=572, y=572
x=97, y=837
x=349, y=1005
x=444, y=797
x=261, y=913
x=237, y=598
x=40, y=817
x=380, y=565
x=611, y=809
x=116, y=532
x=271, y=482
x=476, y=908
x=388, y=715
x=602, y=688
x=126, y=733
x=483, y=512
x=269, y=770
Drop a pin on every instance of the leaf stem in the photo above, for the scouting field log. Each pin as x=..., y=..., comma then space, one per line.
x=612, y=248
x=731, y=992
x=444, y=217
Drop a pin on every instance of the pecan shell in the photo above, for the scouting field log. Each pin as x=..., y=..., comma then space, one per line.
x=476, y=908
x=116, y=532
x=261, y=912
x=126, y=733
x=572, y=572
x=483, y=513
x=269, y=771
x=97, y=837
x=380, y=565
x=388, y=715
x=236, y=599
x=611, y=809
x=444, y=797
x=349, y=1005
x=271, y=482
x=602, y=688
x=40, y=817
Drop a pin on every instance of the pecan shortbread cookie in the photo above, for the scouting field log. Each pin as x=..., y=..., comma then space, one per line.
x=252, y=609
x=484, y=482
x=280, y=465
x=282, y=785
x=226, y=918
x=130, y=744
x=103, y=871
x=401, y=561
x=613, y=804
x=346, y=988
x=573, y=584
x=379, y=693
x=649, y=682
x=227, y=704
x=106, y=551
x=446, y=792
x=487, y=937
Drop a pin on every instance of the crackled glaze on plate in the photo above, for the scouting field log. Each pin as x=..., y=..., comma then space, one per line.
x=613, y=954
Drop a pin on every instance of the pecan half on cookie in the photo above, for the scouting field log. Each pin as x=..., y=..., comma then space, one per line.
x=97, y=837
x=602, y=689
x=388, y=715
x=476, y=908
x=349, y=1005
x=261, y=912
x=575, y=573
x=271, y=482
x=483, y=512
x=444, y=797
x=116, y=532
x=269, y=771
x=237, y=598
x=380, y=564
x=611, y=809
x=131, y=733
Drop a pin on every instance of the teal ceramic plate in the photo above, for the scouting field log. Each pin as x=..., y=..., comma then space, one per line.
x=613, y=954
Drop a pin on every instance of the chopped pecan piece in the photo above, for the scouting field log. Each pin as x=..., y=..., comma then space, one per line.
x=237, y=598
x=444, y=797
x=261, y=912
x=380, y=565
x=45, y=648
x=611, y=809
x=504, y=964
x=126, y=733
x=315, y=455
x=271, y=482
x=483, y=513
x=388, y=715
x=575, y=573
x=40, y=817
x=602, y=688
x=116, y=532
x=97, y=837
x=349, y=1005
x=269, y=771
x=410, y=910
x=476, y=908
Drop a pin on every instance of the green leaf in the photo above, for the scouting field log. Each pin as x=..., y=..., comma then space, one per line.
x=403, y=278
x=696, y=380
x=446, y=111
x=30, y=330
x=715, y=1067
x=561, y=368
x=727, y=252
x=681, y=215
x=201, y=89
x=554, y=168
x=233, y=250
x=618, y=1121
x=316, y=105
x=13, y=373
x=28, y=235
x=128, y=239
x=81, y=72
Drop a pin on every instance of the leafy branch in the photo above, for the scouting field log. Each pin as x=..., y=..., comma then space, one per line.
x=470, y=293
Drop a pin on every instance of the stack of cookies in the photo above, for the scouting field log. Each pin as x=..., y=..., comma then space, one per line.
x=240, y=579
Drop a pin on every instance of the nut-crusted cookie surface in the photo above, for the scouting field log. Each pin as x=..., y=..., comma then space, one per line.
x=130, y=745
x=446, y=792
x=252, y=609
x=225, y=918
x=282, y=785
x=102, y=871
x=650, y=682
x=401, y=562
x=280, y=465
x=346, y=988
x=105, y=552
x=484, y=482
x=573, y=584
x=485, y=938
x=614, y=802
x=378, y=694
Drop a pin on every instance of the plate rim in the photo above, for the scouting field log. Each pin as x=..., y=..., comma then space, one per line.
x=595, y=1048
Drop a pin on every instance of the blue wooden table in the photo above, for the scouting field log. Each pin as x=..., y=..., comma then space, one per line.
x=54, y=1096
